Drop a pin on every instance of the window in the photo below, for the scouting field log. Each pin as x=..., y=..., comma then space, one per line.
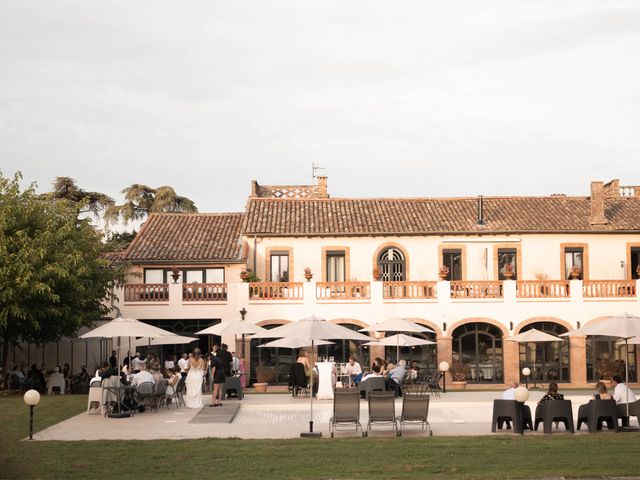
x=193, y=276
x=548, y=361
x=155, y=275
x=392, y=265
x=453, y=260
x=335, y=266
x=203, y=275
x=214, y=275
x=507, y=256
x=279, y=267
x=606, y=357
x=635, y=261
x=477, y=353
x=573, y=257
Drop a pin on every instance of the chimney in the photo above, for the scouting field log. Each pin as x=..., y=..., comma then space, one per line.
x=321, y=190
x=597, y=204
x=480, y=210
x=254, y=188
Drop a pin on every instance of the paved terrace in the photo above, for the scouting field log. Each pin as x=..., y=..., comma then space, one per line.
x=281, y=416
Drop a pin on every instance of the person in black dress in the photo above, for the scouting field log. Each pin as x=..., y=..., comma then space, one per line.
x=219, y=377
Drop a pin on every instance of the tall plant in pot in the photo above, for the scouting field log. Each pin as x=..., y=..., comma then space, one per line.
x=459, y=376
x=264, y=375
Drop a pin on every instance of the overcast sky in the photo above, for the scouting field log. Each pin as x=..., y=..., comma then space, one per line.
x=394, y=98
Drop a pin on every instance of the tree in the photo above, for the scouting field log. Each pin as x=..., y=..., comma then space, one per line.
x=119, y=241
x=141, y=200
x=65, y=188
x=53, y=279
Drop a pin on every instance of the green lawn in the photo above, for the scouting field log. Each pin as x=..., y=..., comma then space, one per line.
x=451, y=457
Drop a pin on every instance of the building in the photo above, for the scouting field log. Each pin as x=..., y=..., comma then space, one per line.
x=475, y=270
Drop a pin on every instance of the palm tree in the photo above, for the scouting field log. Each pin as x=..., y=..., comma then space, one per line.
x=141, y=200
x=66, y=189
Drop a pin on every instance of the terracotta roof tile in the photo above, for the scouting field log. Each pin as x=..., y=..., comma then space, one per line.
x=428, y=216
x=182, y=237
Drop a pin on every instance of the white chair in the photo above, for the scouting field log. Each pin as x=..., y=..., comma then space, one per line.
x=56, y=380
x=95, y=396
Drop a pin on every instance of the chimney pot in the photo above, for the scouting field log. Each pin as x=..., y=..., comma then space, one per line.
x=321, y=190
x=597, y=216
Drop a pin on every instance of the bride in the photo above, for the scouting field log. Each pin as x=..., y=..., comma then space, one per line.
x=193, y=398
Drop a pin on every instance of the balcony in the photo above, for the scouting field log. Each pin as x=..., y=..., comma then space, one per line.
x=608, y=288
x=483, y=289
x=270, y=291
x=409, y=290
x=204, y=292
x=146, y=292
x=356, y=291
x=543, y=289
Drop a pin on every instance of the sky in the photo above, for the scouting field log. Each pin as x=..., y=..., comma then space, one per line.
x=396, y=99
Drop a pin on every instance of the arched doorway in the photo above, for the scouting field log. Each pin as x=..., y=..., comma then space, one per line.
x=341, y=350
x=392, y=265
x=606, y=357
x=549, y=360
x=276, y=361
x=477, y=353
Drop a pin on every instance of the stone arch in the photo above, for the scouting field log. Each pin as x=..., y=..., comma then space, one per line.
x=464, y=321
x=272, y=322
x=427, y=323
x=353, y=321
x=404, y=251
x=531, y=320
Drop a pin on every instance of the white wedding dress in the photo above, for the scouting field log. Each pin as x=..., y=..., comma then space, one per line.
x=193, y=398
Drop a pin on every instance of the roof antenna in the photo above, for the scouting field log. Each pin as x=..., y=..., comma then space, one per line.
x=314, y=170
x=480, y=210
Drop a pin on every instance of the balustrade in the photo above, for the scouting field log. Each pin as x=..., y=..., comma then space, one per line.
x=343, y=291
x=204, y=292
x=276, y=291
x=480, y=289
x=608, y=288
x=409, y=290
x=542, y=289
x=146, y=292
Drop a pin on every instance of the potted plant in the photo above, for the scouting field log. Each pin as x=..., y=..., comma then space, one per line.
x=443, y=272
x=244, y=275
x=575, y=273
x=264, y=375
x=508, y=271
x=459, y=376
x=307, y=274
x=175, y=274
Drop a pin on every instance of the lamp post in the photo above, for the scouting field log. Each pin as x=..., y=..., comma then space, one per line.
x=243, y=313
x=521, y=395
x=31, y=398
x=444, y=367
x=526, y=371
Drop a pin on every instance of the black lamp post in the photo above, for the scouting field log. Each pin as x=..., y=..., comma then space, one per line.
x=444, y=368
x=243, y=312
x=31, y=398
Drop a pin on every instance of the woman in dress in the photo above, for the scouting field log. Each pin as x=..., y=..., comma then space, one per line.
x=552, y=394
x=218, y=377
x=241, y=370
x=193, y=398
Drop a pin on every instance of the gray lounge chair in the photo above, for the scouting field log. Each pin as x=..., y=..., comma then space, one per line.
x=346, y=410
x=554, y=411
x=597, y=411
x=372, y=384
x=382, y=411
x=415, y=409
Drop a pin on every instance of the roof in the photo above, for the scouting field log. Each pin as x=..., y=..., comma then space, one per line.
x=114, y=258
x=432, y=216
x=188, y=237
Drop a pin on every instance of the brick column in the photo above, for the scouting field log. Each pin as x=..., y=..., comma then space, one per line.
x=445, y=353
x=578, y=360
x=511, y=359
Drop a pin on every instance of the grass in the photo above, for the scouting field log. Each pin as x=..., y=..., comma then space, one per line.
x=352, y=458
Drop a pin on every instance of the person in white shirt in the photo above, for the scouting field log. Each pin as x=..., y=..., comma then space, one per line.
x=183, y=364
x=235, y=363
x=142, y=376
x=510, y=393
x=353, y=369
x=169, y=363
x=623, y=396
x=136, y=362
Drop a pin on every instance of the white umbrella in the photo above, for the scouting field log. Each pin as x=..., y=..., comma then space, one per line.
x=126, y=327
x=624, y=326
x=312, y=329
x=534, y=336
x=401, y=340
x=168, y=340
x=233, y=327
x=293, y=343
x=397, y=324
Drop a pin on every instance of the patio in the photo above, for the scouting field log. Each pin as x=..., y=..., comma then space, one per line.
x=262, y=416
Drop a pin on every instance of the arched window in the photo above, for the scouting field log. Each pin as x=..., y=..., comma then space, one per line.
x=548, y=361
x=392, y=265
x=477, y=353
x=606, y=357
x=276, y=361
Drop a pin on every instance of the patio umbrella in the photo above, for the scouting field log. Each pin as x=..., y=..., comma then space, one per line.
x=625, y=326
x=233, y=327
x=310, y=330
x=126, y=327
x=397, y=324
x=534, y=336
x=293, y=343
x=402, y=340
x=168, y=340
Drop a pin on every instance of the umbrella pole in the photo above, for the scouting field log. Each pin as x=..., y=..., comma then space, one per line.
x=397, y=349
x=626, y=372
x=311, y=433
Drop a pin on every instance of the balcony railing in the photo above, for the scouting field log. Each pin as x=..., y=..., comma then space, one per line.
x=276, y=291
x=542, y=289
x=343, y=290
x=482, y=289
x=204, y=292
x=608, y=288
x=146, y=292
x=409, y=290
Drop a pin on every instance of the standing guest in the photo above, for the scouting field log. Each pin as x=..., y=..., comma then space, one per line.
x=304, y=360
x=396, y=377
x=235, y=363
x=183, y=365
x=226, y=358
x=218, y=378
x=37, y=378
x=193, y=398
x=552, y=394
x=354, y=370
x=242, y=371
x=169, y=363
x=113, y=359
x=136, y=363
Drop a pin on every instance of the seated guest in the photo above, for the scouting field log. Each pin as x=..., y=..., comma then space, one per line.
x=136, y=361
x=156, y=374
x=142, y=376
x=552, y=394
x=183, y=365
x=37, y=378
x=169, y=363
x=375, y=372
x=174, y=378
x=622, y=395
x=396, y=377
x=16, y=379
x=601, y=392
x=510, y=393
x=354, y=370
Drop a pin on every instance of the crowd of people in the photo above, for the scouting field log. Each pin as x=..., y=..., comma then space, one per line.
x=42, y=379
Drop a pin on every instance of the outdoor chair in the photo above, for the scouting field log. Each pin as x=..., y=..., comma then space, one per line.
x=554, y=411
x=145, y=392
x=95, y=396
x=232, y=383
x=505, y=411
x=634, y=411
x=173, y=395
x=160, y=395
x=57, y=382
x=372, y=384
x=597, y=411
x=382, y=411
x=415, y=409
x=433, y=383
x=346, y=409
x=181, y=388
x=298, y=379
